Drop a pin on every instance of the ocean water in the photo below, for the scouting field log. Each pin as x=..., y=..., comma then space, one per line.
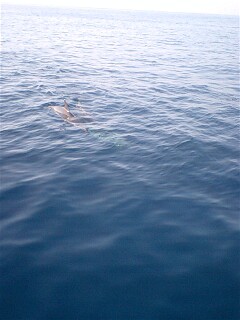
x=134, y=215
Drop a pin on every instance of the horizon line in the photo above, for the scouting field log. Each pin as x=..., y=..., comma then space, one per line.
x=113, y=9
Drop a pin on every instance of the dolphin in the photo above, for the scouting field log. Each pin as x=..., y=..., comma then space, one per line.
x=64, y=112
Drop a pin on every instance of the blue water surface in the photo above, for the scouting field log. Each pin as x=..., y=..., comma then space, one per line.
x=135, y=215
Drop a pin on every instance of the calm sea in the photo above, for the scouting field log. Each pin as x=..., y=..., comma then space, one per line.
x=134, y=216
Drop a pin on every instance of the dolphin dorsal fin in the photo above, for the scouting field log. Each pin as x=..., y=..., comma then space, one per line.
x=66, y=105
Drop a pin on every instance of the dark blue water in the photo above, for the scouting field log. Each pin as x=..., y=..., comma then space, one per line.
x=137, y=217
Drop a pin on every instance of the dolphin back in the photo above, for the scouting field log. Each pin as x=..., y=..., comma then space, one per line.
x=62, y=111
